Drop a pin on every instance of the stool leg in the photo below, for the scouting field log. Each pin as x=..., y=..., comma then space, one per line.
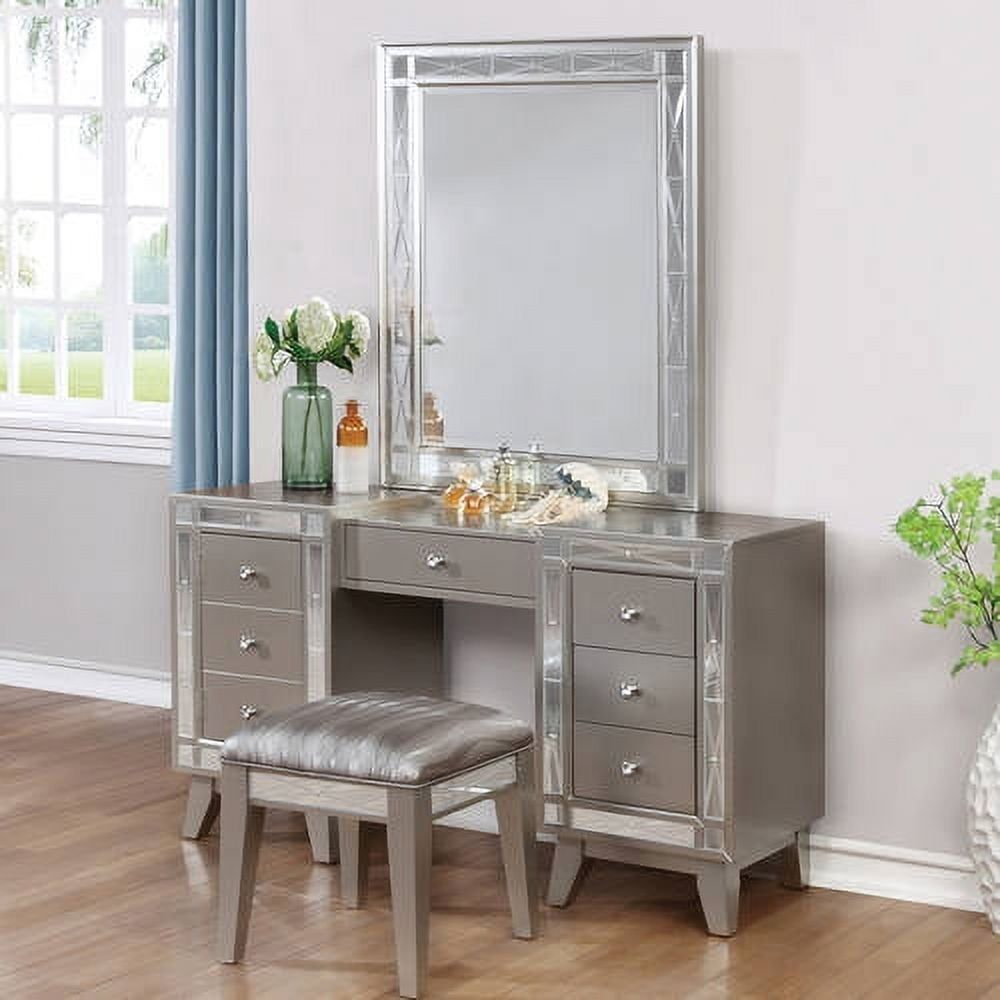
x=322, y=830
x=241, y=829
x=409, y=833
x=515, y=808
x=353, y=835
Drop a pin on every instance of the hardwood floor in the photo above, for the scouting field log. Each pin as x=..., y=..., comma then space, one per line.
x=100, y=898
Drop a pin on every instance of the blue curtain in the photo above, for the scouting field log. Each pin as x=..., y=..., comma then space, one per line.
x=211, y=374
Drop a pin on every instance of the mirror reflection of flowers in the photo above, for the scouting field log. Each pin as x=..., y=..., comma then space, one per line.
x=309, y=334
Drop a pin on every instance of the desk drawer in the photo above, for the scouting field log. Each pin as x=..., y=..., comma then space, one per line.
x=640, y=690
x=224, y=697
x=441, y=561
x=634, y=767
x=649, y=614
x=241, y=640
x=241, y=569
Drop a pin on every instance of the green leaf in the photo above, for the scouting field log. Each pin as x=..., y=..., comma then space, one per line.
x=273, y=331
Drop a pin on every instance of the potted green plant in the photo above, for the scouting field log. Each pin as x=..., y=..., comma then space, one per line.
x=310, y=334
x=951, y=530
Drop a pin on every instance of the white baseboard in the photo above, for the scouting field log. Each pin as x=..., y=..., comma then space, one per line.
x=894, y=872
x=835, y=862
x=81, y=677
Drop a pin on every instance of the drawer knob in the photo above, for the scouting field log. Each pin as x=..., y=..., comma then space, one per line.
x=435, y=560
x=630, y=768
x=248, y=711
x=629, y=689
x=629, y=614
x=248, y=643
x=247, y=572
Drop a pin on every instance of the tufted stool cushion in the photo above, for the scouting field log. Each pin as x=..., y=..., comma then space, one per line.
x=379, y=736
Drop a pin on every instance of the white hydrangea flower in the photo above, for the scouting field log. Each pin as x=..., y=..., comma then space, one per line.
x=361, y=331
x=317, y=323
x=262, y=357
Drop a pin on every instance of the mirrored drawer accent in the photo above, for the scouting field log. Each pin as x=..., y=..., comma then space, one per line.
x=228, y=702
x=649, y=614
x=440, y=561
x=634, y=767
x=642, y=690
x=242, y=569
x=252, y=641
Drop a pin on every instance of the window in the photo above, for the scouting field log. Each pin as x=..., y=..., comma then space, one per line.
x=86, y=318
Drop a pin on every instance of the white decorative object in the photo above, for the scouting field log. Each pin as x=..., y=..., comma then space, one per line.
x=984, y=818
x=583, y=493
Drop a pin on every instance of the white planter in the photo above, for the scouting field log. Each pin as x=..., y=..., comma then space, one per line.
x=984, y=817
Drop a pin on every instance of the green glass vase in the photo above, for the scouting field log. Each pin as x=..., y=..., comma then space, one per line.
x=307, y=433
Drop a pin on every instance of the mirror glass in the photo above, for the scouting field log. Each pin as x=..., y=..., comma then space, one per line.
x=539, y=278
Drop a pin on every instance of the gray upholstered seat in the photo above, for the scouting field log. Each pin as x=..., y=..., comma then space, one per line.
x=379, y=736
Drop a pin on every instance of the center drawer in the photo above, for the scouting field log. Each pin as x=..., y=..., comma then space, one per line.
x=642, y=690
x=649, y=614
x=440, y=561
x=240, y=640
x=227, y=702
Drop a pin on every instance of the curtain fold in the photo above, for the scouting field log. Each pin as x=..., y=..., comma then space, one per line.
x=211, y=366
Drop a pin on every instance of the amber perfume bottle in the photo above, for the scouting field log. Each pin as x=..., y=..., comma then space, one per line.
x=476, y=502
x=352, y=451
x=505, y=473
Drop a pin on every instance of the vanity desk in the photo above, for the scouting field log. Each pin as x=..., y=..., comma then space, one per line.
x=677, y=678
x=541, y=276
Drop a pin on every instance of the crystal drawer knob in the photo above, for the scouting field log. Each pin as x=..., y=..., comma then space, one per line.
x=630, y=768
x=435, y=560
x=248, y=643
x=629, y=614
x=629, y=689
x=247, y=572
x=248, y=711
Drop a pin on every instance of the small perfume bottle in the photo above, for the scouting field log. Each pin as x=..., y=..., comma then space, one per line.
x=352, y=451
x=531, y=475
x=475, y=501
x=506, y=480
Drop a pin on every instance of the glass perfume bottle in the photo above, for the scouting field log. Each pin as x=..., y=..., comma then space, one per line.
x=506, y=480
x=352, y=451
x=531, y=474
x=476, y=501
x=452, y=496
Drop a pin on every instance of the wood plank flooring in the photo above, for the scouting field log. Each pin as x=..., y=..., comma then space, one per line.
x=100, y=898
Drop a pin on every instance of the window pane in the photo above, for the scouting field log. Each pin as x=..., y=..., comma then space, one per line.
x=80, y=61
x=147, y=62
x=151, y=359
x=32, y=57
x=31, y=169
x=4, y=252
x=3, y=350
x=85, y=355
x=147, y=240
x=36, y=332
x=34, y=253
x=148, y=163
x=81, y=250
x=80, y=142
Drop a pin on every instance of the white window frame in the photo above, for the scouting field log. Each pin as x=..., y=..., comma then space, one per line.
x=115, y=428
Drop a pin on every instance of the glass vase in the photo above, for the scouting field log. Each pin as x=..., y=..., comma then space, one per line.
x=307, y=433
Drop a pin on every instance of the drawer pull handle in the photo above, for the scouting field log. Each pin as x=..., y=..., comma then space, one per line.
x=435, y=560
x=247, y=572
x=248, y=711
x=629, y=614
x=629, y=689
x=248, y=643
x=630, y=768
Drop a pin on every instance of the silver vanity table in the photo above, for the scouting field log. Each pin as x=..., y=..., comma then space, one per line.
x=678, y=672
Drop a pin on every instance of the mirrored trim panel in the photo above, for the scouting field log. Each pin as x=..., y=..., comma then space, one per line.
x=675, y=479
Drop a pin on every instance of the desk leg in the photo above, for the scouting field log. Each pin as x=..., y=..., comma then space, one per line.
x=567, y=871
x=322, y=829
x=202, y=808
x=795, y=873
x=719, y=891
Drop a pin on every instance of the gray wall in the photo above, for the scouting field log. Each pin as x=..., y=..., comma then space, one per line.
x=83, y=562
x=852, y=200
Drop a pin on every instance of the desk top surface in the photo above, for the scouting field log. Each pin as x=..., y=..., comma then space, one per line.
x=411, y=509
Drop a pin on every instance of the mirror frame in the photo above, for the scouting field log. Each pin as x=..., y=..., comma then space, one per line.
x=676, y=477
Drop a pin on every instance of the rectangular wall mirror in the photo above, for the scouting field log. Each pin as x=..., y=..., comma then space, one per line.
x=540, y=260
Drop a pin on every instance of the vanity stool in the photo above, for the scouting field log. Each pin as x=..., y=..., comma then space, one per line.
x=403, y=760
